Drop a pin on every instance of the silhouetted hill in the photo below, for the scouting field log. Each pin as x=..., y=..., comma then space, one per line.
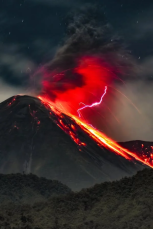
x=124, y=204
x=32, y=141
x=18, y=188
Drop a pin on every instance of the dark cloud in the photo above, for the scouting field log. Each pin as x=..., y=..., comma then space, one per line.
x=61, y=3
x=89, y=33
x=24, y=40
x=12, y=59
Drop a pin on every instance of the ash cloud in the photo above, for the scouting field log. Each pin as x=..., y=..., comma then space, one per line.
x=90, y=34
x=87, y=34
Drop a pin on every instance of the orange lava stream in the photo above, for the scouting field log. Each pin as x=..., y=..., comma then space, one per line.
x=99, y=137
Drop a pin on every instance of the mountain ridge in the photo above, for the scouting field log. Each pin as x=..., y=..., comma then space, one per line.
x=22, y=188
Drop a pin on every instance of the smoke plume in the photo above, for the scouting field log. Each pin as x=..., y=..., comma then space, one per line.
x=91, y=57
x=88, y=35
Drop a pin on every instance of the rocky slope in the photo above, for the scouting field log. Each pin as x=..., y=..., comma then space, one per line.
x=32, y=141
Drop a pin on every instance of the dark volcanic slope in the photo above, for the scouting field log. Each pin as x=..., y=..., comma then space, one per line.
x=18, y=188
x=142, y=148
x=31, y=141
x=124, y=204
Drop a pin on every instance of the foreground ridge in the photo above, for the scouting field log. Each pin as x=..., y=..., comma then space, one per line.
x=127, y=203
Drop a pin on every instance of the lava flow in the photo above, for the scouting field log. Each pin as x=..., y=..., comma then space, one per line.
x=96, y=135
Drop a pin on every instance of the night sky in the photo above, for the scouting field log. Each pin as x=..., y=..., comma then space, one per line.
x=32, y=30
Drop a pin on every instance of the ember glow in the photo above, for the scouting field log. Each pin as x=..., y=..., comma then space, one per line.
x=93, y=104
x=96, y=135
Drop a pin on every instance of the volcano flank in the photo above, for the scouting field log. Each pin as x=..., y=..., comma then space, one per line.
x=32, y=141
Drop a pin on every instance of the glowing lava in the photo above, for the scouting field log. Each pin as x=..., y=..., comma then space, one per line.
x=96, y=135
x=93, y=104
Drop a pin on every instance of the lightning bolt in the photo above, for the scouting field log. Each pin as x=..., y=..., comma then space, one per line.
x=93, y=104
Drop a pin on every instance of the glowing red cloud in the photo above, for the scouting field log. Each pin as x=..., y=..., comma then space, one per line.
x=93, y=75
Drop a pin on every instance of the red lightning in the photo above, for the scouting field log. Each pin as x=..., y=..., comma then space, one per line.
x=93, y=104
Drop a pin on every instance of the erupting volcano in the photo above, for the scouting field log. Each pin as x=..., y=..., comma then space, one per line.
x=94, y=75
x=87, y=67
x=53, y=134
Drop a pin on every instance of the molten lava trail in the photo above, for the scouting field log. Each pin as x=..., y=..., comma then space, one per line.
x=93, y=104
x=98, y=136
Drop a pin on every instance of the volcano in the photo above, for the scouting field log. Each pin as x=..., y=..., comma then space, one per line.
x=32, y=141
